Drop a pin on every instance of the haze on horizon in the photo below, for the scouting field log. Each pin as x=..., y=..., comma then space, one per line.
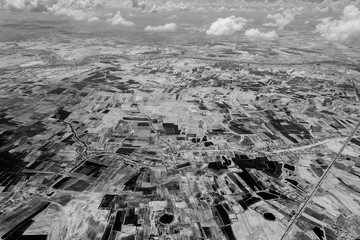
x=334, y=21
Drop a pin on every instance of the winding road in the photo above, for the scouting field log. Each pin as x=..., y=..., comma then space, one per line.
x=57, y=115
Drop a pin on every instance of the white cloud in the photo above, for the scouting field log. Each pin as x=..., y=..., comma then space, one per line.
x=345, y=30
x=226, y=26
x=249, y=10
x=173, y=16
x=73, y=4
x=284, y=18
x=256, y=34
x=221, y=9
x=72, y=13
x=200, y=9
x=154, y=9
x=142, y=5
x=119, y=20
x=162, y=28
x=27, y=5
x=337, y=6
x=93, y=19
x=167, y=6
x=134, y=4
x=137, y=4
x=321, y=10
x=77, y=9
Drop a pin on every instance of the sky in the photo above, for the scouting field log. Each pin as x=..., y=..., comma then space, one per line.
x=334, y=21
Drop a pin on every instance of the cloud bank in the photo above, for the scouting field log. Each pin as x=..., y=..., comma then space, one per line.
x=117, y=19
x=256, y=34
x=26, y=5
x=73, y=13
x=29, y=5
x=169, y=27
x=226, y=26
x=284, y=18
x=345, y=30
x=77, y=9
x=93, y=19
x=168, y=6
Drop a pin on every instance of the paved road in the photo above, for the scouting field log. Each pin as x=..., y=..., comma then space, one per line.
x=322, y=179
x=306, y=146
